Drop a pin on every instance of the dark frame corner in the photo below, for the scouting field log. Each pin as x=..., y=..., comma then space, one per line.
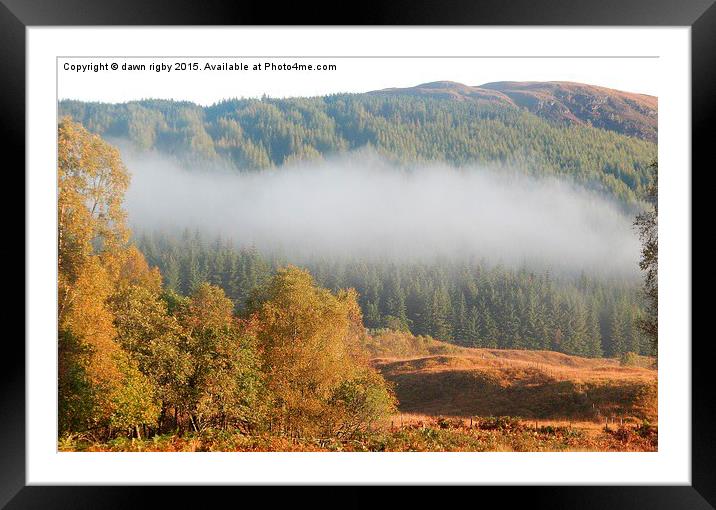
x=700, y=15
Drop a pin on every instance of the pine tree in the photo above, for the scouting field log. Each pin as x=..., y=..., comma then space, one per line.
x=617, y=333
x=395, y=301
x=172, y=273
x=440, y=326
x=195, y=275
x=489, y=330
x=594, y=337
x=531, y=322
x=460, y=322
x=511, y=327
x=577, y=334
x=472, y=332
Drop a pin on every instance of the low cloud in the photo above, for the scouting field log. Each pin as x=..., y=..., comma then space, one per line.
x=359, y=205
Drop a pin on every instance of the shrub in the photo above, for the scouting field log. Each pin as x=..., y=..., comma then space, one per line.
x=629, y=359
x=501, y=423
x=359, y=403
x=135, y=403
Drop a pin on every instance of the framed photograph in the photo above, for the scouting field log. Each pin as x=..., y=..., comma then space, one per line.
x=422, y=249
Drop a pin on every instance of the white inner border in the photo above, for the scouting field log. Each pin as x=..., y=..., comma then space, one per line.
x=670, y=465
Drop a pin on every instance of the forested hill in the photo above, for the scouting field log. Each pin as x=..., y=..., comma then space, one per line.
x=561, y=102
x=604, y=140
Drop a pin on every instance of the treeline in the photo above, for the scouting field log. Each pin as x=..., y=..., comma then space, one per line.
x=136, y=358
x=469, y=302
x=249, y=134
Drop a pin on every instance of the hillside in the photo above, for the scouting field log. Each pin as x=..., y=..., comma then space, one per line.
x=601, y=138
x=560, y=102
x=531, y=384
x=576, y=103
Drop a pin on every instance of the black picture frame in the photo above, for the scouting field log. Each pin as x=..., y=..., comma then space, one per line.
x=700, y=15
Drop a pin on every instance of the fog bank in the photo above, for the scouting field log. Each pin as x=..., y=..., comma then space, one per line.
x=359, y=205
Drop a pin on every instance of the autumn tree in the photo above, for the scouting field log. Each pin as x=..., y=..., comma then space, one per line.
x=91, y=183
x=224, y=385
x=112, y=326
x=310, y=339
x=152, y=340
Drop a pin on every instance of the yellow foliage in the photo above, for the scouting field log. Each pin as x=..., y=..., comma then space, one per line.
x=309, y=338
x=89, y=320
x=225, y=387
x=129, y=267
x=208, y=308
x=92, y=180
x=93, y=262
x=134, y=402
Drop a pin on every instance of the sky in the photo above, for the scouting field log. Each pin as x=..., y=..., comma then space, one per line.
x=205, y=86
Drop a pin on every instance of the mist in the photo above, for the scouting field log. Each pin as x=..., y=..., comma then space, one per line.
x=359, y=205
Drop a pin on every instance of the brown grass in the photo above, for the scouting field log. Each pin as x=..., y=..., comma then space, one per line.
x=530, y=384
x=414, y=433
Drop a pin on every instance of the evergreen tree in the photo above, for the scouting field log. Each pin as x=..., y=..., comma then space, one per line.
x=472, y=330
x=489, y=330
x=594, y=336
x=440, y=315
x=460, y=322
x=617, y=333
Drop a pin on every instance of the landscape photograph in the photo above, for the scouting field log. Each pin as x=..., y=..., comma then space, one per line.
x=440, y=267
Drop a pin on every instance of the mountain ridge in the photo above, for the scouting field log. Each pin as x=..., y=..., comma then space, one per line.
x=567, y=102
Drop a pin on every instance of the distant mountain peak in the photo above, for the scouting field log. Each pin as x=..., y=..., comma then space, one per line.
x=442, y=84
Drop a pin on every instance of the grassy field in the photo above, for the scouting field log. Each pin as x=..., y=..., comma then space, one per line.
x=539, y=385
